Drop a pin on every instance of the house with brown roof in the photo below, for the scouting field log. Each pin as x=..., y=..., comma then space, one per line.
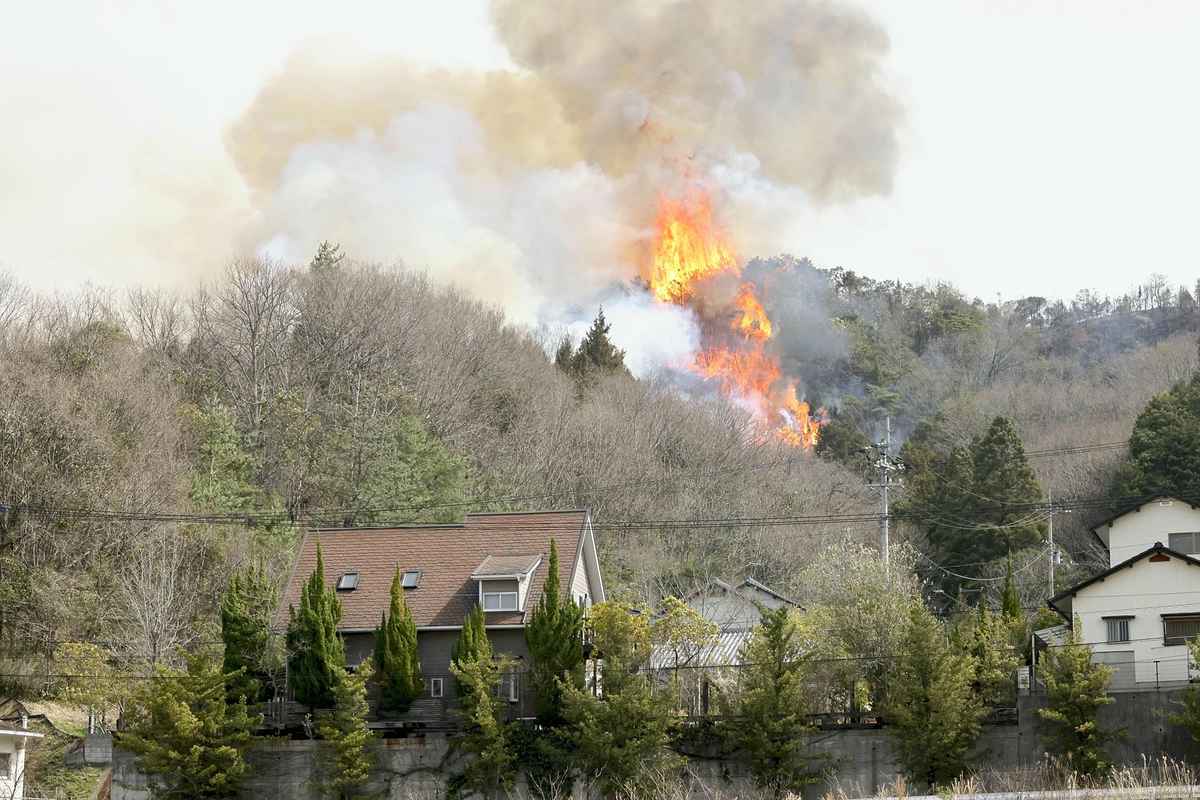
x=495, y=560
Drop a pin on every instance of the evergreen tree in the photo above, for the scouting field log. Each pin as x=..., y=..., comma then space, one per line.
x=1189, y=714
x=396, y=657
x=472, y=642
x=554, y=635
x=188, y=738
x=1164, y=447
x=345, y=730
x=1076, y=689
x=223, y=474
x=995, y=658
x=328, y=257
x=935, y=715
x=596, y=355
x=315, y=650
x=564, y=354
x=491, y=767
x=619, y=735
x=769, y=711
x=1003, y=478
x=843, y=442
x=246, y=610
x=1010, y=601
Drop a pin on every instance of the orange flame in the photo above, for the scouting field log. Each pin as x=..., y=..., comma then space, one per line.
x=748, y=373
x=753, y=322
x=800, y=427
x=687, y=248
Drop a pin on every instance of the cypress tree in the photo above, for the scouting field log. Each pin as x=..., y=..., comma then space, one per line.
x=396, y=656
x=1010, y=601
x=1003, y=477
x=245, y=632
x=316, y=652
x=596, y=355
x=472, y=643
x=555, y=639
x=1076, y=688
x=935, y=713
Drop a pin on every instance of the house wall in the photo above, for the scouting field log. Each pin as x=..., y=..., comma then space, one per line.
x=730, y=611
x=1154, y=522
x=1146, y=590
x=12, y=787
x=581, y=589
x=435, y=647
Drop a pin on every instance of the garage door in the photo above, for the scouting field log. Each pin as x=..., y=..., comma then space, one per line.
x=1122, y=665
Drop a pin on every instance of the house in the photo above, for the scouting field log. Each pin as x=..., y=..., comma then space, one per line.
x=735, y=607
x=13, y=742
x=495, y=560
x=1138, y=614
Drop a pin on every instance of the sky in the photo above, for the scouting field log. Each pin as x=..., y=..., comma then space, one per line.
x=1045, y=146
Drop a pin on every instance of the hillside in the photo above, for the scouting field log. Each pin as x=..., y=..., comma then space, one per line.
x=350, y=394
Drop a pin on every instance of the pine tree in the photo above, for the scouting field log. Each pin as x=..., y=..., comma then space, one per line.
x=769, y=712
x=328, y=257
x=596, y=355
x=1003, y=478
x=315, y=650
x=1164, y=447
x=935, y=715
x=246, y=633
x=347, y=734
x=554, y=635
x=396, y=656
x=491, y=767
x=188, y=737
x=564, y=354
x=1076, y=689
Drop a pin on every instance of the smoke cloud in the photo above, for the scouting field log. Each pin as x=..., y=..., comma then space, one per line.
x=536, y=189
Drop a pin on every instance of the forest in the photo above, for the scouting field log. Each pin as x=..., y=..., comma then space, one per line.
x=153, y=443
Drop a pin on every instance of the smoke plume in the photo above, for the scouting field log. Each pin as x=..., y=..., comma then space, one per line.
x=537, y=188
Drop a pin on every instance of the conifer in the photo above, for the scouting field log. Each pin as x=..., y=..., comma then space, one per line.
x=396, y=656
x=554, y=635
x=315, y=650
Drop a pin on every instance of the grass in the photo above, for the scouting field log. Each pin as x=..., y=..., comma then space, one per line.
x=47, y=776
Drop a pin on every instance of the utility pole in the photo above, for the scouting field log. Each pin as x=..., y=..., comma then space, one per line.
x=885, y=464
x=1050, y=539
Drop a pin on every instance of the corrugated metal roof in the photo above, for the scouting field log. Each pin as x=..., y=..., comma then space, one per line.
x=723, y=652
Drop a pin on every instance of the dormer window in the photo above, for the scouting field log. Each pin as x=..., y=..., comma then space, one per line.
x=504, y=581
x=348, y=582
x=500, y=595
x=411, y=579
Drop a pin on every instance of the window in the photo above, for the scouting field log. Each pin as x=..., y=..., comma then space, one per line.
x=6, y=765
x=348, y=582
x=1185, y=542
x=499, y=601
x=1118, y=629
x=1178, y=628
x=508, y=687
x=411, y=579
x=437, y=687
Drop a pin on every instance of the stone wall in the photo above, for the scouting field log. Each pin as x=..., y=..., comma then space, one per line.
x=860, y=761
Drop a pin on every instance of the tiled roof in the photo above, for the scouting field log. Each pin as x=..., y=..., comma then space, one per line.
x=447, y=555
x=507, y=565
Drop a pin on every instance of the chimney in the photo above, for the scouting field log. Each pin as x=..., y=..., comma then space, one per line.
x=24, y=722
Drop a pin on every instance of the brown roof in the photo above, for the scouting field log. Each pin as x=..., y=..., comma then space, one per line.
x=447, y=555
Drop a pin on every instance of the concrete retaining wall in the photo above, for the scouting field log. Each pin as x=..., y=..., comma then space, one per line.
x=860, y=761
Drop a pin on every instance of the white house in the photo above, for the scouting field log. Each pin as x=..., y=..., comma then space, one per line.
x=1139, y=613
x=12, y=761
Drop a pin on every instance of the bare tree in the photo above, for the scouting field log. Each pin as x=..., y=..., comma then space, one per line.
x=158, y=588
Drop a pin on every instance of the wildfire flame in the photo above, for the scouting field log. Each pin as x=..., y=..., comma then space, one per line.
x=688, y=249
x=753, y=322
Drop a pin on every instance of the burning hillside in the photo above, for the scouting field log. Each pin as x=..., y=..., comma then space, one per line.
x=692, y=264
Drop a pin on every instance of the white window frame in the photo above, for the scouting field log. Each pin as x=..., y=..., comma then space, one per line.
x=343, y=577
x=437, y=687
x=508, y=687
x=1119, y=626
x=515, y=598
x=416, y=580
